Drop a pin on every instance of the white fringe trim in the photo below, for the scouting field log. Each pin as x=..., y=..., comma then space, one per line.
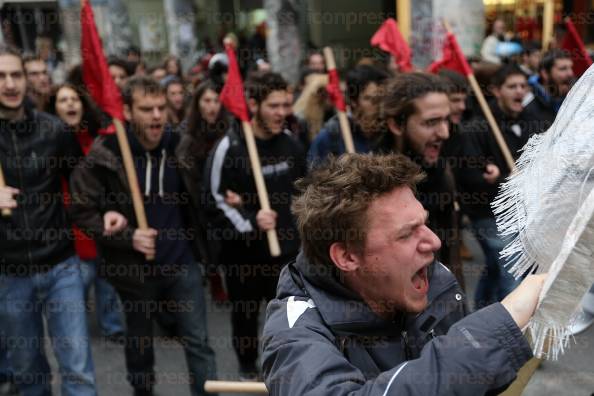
x=548, y=341
x=510, y=211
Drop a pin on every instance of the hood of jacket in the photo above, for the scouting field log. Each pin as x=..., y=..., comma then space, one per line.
x=342, y=309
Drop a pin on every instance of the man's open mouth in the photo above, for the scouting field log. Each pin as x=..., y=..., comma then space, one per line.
x=420, y=280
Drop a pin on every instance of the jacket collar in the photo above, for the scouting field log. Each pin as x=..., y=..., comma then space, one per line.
x=342, y=309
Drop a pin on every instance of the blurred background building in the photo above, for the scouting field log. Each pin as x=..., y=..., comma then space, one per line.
x=190, y=28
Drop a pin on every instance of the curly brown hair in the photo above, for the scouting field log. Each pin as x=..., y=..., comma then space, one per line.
x=333, y=200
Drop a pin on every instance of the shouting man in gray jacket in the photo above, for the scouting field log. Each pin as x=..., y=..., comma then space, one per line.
x=366, y=310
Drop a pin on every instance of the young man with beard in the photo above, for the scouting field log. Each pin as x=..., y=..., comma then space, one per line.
x=367, y=310
x=549, y=88
x=240, y=224
x=482, y=168
x=39, y=272
x=417, y=109
x=364, y=84
x=38, y=82
x=172, y=281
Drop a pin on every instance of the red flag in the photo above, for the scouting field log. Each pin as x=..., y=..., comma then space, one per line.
x=572, y=43
x=333, y=89
x=232, y=96
x=96, y=75
x=452, y=58
x=389, y=39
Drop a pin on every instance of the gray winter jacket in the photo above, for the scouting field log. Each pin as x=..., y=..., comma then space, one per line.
x=320, y=338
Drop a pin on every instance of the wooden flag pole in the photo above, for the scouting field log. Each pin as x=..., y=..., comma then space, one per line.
x=273, y=244
x=548, y=21
x=132, y=178
x=403, y=13
x=343, y=120
x=130, y=171
x=235, y=387
x=6, y=212
x=509, y=159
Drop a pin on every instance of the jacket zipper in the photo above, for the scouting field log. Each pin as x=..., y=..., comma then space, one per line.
x=407, y=352
x=22, y=188
x=404, y=334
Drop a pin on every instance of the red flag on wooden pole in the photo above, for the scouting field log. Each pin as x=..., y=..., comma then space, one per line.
x=572, y=43
x=452, y=58
x=232, y=96
x=337, y=99
x=107, y=95
x=334, y=92
x=96, y=75
x=389, y=39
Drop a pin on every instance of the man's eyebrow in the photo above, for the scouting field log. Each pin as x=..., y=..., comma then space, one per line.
x=414, y=223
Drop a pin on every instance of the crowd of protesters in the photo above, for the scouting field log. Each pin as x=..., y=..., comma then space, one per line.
x=73, y=229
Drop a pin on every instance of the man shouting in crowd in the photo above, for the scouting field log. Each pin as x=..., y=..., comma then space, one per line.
x=172, y=282
x=366, y=310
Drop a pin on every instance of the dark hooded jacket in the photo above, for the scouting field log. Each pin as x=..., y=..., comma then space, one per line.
x=320, y=338
x=99, y=185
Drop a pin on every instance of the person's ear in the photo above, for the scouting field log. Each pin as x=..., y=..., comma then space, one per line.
x=394, y=127
x=344, y=259
x=127, y=112
x=252, y=105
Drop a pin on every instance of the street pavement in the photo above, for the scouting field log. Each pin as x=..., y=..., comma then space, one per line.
x=571, y=375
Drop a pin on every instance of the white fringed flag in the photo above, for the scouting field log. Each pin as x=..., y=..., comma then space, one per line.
x=547, y=207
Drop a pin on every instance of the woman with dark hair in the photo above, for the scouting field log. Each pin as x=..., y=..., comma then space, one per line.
x=77, y=110
x=73, y=106
x=206, y=123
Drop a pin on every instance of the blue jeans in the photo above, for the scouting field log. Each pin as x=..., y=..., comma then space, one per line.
x=182, y=295
x=495, y=282
x=5, y=372
x=107, y=304
x=57, y=295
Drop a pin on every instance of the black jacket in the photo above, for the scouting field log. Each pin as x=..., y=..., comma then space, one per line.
x=36, y=153
x=99, y=185
x=283, y=162
x=320, y=338
x=480, y=148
